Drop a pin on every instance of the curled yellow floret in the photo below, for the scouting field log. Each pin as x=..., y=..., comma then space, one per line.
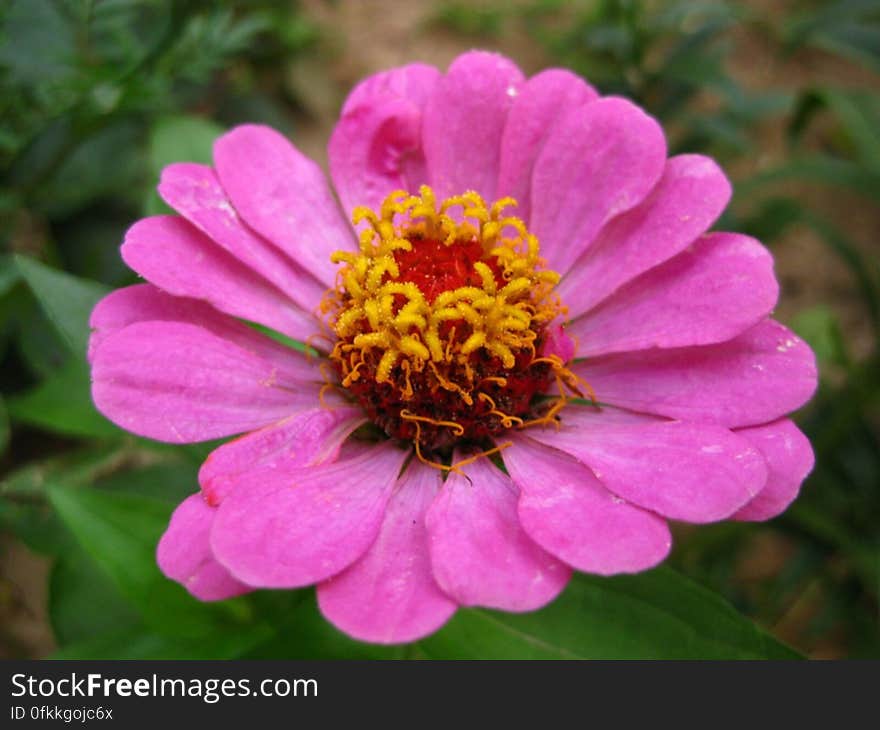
x=376, y=308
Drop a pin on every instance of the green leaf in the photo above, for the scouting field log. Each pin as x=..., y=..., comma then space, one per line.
x=62, y=404
x=128, y=643
x=120, y=532
x=76, y=587
x=42, y=348
x=170, y=480
x=652, y=615
x=139, y=642
x=67, y=300
x=8, y=274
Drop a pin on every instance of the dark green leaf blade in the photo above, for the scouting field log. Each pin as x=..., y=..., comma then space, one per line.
x=67, y=300
x=120, y=532
x=76, y=587
x=654, y=615
x=62, y=404
x=140, y=642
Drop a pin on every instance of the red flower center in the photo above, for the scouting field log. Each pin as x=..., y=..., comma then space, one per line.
x=435, y=267
x=440, y=323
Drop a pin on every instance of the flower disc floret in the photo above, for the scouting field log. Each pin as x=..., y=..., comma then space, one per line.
x=440, y=318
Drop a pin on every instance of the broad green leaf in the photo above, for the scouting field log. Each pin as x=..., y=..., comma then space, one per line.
x=652, y=615
x=67, y=300
x=76, y=587
x=42, y=348
x=120, y=532
x=8, y=274
x=139, y=642
x=133, y=642
x=171, y=480
x=63, y=404
x=24, y=510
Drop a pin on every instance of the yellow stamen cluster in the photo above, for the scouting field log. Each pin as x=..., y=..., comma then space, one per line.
x=440, y=320
x=377, y=310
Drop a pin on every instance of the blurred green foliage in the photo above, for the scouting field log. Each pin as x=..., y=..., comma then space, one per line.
x=97, y=96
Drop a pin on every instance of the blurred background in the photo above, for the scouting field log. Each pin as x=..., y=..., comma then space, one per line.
x=97, y=96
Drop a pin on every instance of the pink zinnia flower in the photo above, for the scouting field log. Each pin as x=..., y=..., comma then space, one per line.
x=492, y=401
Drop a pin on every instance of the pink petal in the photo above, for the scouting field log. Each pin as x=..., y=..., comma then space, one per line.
x=686, y=471
x=790, y=459
x=389, y=595
x=143, y=303
x=689, y=197
x=463, y=123
x=283, y=196
x=146, y=303
x=535, y=112
x=184, y=555
x=290, y=529
x=376, y=145
x=600, y=160
x=722, y=285
x=369, y=150
x=414, y=82
x=195, y=192
x=305, y=439
x=179, y=382
x=176, y=257
x=754, y=378
x=567, y=511
x=480, y=554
